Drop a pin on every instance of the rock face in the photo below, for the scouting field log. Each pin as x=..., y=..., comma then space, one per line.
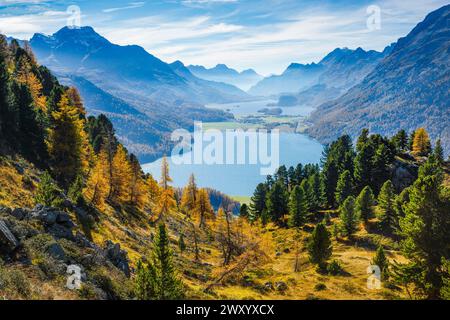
x=117, y=256
x=404, y=175
x=7, y=239
x=57, y=223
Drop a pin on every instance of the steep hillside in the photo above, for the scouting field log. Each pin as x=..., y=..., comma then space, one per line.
x=408, y=89
x=131, y=86
x=129, y=69
x=334, y=74
x=295, y=78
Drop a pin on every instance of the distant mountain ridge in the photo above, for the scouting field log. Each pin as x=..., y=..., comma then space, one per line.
x=222, y=73
x=163, y=98
x=336, y=72
x=408, y=89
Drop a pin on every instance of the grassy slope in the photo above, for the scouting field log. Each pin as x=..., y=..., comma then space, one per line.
x=133, y=230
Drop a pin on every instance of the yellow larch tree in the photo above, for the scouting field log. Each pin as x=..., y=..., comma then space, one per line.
x=121, y=173
x=97, y=185
x=203, y=208
x=166, y=203
x=421, y=143
x=76, y=101
x=165, y=177
x=153, y=189
x=26, y=76
x=189, y=196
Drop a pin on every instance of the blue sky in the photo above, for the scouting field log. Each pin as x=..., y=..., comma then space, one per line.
x=266, y=35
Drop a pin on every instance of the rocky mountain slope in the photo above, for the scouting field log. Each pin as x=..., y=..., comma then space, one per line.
x=408, y=89
x=334, y=74
x=131, y=86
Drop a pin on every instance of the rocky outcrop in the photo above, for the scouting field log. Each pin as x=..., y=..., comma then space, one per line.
x=7, y=239
x=404, y=174
x=117, y=256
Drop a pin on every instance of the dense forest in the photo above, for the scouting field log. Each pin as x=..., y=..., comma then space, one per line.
x=71, y=194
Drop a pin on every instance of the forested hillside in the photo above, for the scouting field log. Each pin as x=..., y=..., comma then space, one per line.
x=408, y=89
x=71, y=196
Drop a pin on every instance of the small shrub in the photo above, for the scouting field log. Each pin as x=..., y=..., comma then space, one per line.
x=14, y=281
x=334, y=268
x=320, y=287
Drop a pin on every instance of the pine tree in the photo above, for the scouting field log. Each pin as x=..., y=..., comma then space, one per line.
x=292, y=178
x=168, y=286
x=298, y=209
x=165, y=177
x=344, y=187
x=298, y=174
x=348, y=216
x=65, y=143
x=145, y=285
x=363, y=166
x=364, y=204
x=411, y=140
x=258, y=202
x=181, y=244
x=399, y=204
x=277, y=202
x=382, y=262
x=4, y=86
x=421, y=143
x=189, y=196
x=282, y=176
x=382, y=160
x=308, y=192
x=121, y=173
x=425, y=231
x=438, y=152
x=319, y=246
x=316, y=195
x=27, y=132
x=400, y=140
x=387, y=217
x=331, y=176
x=47, y=192
x=203, y=207
x=243, y=211
x=362, y=139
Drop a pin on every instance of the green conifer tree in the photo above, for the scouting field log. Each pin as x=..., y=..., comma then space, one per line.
x=298, y=209
x=364, y=204
x=387, y=216
x=425, y=228
x=319, y=246
x=348, y=216
x=344, y=187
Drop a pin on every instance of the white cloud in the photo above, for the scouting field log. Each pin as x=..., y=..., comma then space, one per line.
x=132, y=5
x=303, y=35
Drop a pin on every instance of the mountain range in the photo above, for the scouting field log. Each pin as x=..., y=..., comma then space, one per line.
x=164, y=96
x=222, y=73
x=404, y=86
x=408, y=89
x=334, y=74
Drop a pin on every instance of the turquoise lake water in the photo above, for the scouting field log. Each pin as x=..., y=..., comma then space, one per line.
x=239, y=179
